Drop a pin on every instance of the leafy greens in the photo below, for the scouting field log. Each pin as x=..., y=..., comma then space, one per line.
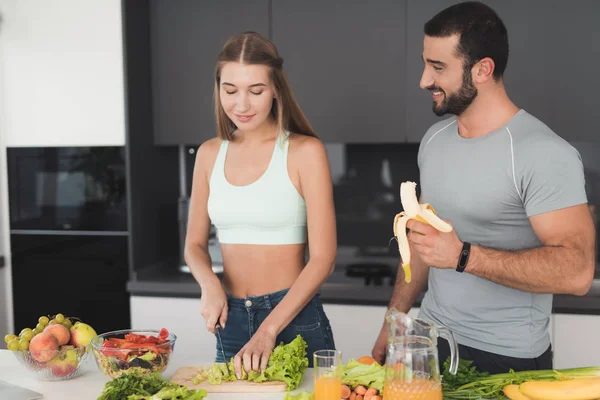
x=286, y=364
x=147, y=387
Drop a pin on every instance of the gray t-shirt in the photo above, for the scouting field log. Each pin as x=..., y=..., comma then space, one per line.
x=488, y=187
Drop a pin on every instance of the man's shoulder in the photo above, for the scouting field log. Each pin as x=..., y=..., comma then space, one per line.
x=438, y=128
x=526, y=129
x=531, y=134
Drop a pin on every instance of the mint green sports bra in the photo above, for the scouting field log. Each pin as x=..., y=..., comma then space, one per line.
x=268, y=211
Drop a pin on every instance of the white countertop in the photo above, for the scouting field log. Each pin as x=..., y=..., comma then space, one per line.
x=89, y=385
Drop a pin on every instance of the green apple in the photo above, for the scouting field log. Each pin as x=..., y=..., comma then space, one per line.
x=82, y=334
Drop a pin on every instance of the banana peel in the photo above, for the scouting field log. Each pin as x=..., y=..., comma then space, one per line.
x=413, y=210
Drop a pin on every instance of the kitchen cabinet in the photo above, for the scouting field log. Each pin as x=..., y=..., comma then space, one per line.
x=186, y=38
x=576, y=340
x=62, y=81
x=355, y=327
x=419, y=114
x=542, y=70
x=346, y=64
x=546, y=39
x=180, y=316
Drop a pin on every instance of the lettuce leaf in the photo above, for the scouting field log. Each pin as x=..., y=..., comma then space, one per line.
x=299, y=396
x=286, y=364
x=355, y=373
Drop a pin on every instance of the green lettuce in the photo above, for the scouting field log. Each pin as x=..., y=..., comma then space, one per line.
x=355, y=373
x=221, y=373
x=147, y=387
x=174, y=393
x=286, y=364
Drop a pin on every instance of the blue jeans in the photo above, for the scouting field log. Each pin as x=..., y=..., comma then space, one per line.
x=246, y=315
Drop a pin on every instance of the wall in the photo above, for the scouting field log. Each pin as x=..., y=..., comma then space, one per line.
x=63, y=73
x=61, y=84
x=6, y=323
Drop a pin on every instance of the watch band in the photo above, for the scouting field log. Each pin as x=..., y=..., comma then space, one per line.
x=463, y=259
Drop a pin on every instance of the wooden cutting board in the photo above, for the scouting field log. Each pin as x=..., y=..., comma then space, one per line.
x=186, y=375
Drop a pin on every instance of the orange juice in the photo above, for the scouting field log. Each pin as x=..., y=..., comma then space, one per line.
x=328, y=389
x=417, y=389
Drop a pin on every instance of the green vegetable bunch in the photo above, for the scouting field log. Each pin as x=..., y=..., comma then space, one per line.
x=147, y=387
x=469, y=383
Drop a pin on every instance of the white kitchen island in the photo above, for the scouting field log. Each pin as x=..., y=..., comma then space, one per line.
x=90, y=384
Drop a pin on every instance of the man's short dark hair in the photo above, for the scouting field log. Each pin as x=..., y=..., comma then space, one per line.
x=481, y=33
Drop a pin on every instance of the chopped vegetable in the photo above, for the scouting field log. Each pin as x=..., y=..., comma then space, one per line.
x=469, y=383
x=286, y=364
x=147, y=387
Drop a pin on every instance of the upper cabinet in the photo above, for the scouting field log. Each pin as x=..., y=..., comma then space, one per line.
x=355, y=66
x=62, y=73
x=186, y=38
x=345, y=61
x=553, y=62
x=419, y=108
x=551, y=69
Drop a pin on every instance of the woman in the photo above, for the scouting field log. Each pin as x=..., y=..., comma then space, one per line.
x=265, y=184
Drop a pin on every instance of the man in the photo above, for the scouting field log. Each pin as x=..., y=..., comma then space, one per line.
x=513, y=191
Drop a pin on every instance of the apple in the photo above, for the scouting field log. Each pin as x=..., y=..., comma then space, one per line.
x=43, y=347
x=64, y=364
x=60, y=332
x=82, y=334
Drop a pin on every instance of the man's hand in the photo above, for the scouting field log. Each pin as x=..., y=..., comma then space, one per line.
x=380, y=347
x=256, y=353
x=436, y=249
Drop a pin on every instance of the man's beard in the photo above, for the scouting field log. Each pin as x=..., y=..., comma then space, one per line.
x=457, y=102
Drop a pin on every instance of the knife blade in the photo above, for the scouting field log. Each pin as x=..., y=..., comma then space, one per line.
x=218, y=333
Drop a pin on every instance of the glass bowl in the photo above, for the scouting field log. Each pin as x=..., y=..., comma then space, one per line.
x=143, y=358
x=54, y=365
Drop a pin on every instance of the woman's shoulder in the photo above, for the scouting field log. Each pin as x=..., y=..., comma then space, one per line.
x=208, y=150
x=210, y=146
x=305, y=145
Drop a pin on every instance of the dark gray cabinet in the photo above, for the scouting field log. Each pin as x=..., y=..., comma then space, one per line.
x=551, y=73
x=355, y=66
x=186, y=37
x=553, y=62
x=419, y=114
x=346, y=63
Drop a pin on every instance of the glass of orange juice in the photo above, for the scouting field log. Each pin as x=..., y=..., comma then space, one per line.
x=328, y=374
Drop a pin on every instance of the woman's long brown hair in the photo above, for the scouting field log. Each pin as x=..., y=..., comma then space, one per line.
x=252, y=48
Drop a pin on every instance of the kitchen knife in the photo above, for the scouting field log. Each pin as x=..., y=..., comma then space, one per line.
x=218, y=333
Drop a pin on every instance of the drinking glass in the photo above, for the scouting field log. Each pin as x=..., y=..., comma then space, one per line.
x=328, y=374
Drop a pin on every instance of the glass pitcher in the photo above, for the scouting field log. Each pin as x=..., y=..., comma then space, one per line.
x=411, y=369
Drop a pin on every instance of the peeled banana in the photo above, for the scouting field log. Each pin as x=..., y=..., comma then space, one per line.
x=421, y=212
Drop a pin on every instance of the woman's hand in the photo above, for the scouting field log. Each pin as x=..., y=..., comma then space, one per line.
x=213, y=305
x=256, y=353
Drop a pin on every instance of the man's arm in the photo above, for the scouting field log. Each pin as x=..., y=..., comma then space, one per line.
x=405, y=294
x=403, y=298
x=564, y=264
